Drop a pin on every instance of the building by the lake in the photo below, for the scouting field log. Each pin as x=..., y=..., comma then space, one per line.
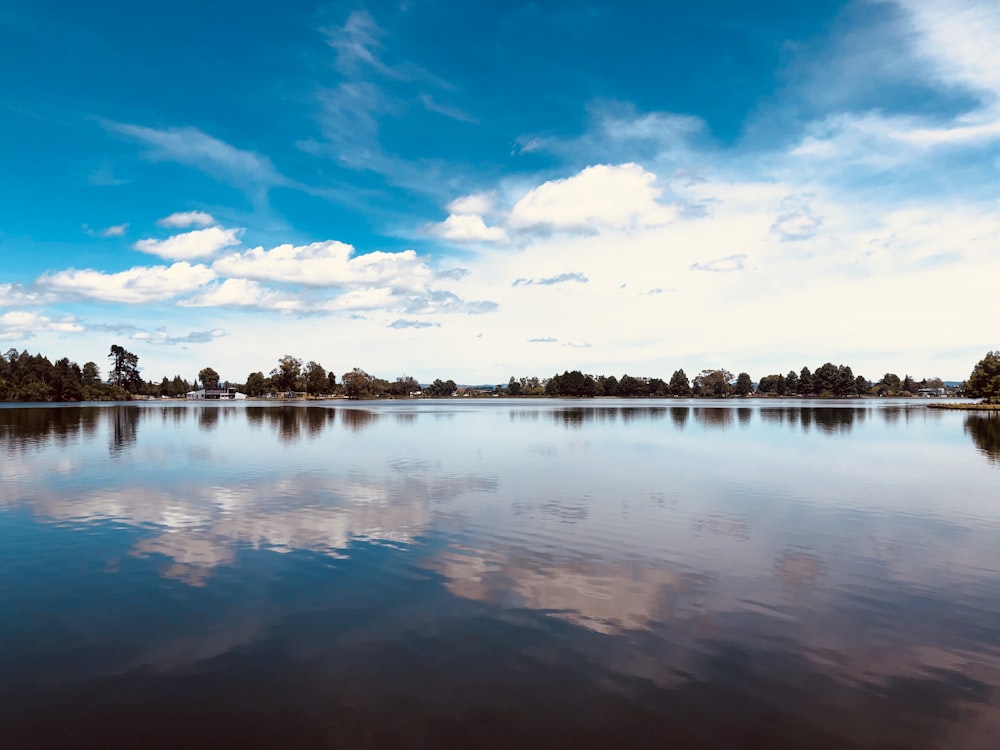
x=216, y=394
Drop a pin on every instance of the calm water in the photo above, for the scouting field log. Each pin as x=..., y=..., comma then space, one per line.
x=500, y=574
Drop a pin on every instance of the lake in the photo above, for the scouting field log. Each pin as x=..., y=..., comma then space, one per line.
x=500, y=573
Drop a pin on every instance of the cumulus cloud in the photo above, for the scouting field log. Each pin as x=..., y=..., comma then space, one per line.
x=242, y=293
x=199, y=243
x=561, y=278
x=21, y=324
x=137, y=285
x=468, y=228
x=599, y=197
x=729, y=264
x=327, y=264
x=16, y=295
x=184, y=219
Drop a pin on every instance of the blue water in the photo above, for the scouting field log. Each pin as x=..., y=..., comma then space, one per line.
x=459, y=573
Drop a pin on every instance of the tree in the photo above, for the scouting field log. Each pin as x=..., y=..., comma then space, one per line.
x=744, y=385
x=256, y=385
x=984, y=382
x=713, y=384
x=513, y=387
x=609, y=385
x=286, y=375
x=680, y=386
x=209, y=378
x=805, y=382
x=862, y=386
x=359, y=384
x=124, y=369
x=791, y=383
x=629, y=387
x=441, y=388
x=316, y=381
x=889, y=385
x=90, y=374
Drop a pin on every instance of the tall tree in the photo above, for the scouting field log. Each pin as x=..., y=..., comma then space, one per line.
x=680, y=386
x=744, y=385
x=209, y=378
x=984, y=382
x=315, y=378
x=124, y=369
x=286, y=375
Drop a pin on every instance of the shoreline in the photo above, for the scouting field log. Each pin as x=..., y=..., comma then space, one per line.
x=966, y=407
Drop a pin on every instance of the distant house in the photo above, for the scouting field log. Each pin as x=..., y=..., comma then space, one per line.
x=216, y=394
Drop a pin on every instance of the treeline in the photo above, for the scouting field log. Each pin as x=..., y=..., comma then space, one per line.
x=33, y=377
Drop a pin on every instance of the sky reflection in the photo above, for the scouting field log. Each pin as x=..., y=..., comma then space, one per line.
x=853, y=547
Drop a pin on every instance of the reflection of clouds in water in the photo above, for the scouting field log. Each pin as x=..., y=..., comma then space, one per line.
x=600, y=595
x=202, y=527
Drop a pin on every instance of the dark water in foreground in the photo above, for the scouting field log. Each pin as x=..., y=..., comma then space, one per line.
x=500, y=574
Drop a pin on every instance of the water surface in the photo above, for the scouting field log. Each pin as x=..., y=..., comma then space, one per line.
x=775, y=574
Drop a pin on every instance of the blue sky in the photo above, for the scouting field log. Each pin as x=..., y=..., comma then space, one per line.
x=479, y=190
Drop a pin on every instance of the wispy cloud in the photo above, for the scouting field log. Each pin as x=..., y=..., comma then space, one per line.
x=401, y=323
x=543, y=340
x=160, y=337
x=729, y=264
x=561, y=278
x=189, y=146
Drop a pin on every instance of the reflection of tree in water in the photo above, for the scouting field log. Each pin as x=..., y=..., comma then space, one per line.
x=124, y=427
x=208, y=418
x=406, y=417
x=680, y=416
x=21, y=427
x=578, y=415
x=743, y=414
x=781, y=415
x=985, y=432
x=358, y=419
x=175, y=414
x=713, y=418
x=833, y=421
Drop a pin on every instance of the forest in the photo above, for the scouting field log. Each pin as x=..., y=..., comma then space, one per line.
x=33, y=377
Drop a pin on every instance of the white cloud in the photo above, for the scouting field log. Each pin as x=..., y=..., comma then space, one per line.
x=241, y=293
x=137, y=285
x=327, y=264
x=198, y=243
x=599, y=197
x=481, y=204
x=20, y=324
x=15, y=295
x=184, y=219
x=468, y=228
